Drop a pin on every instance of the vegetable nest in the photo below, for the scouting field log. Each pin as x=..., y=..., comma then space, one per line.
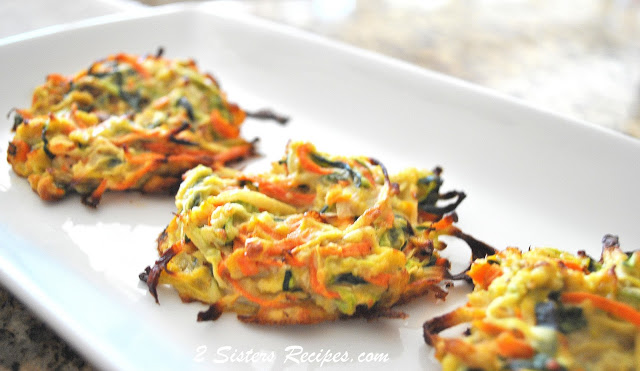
x=125, y=123
x=544, y=309
x=317, y=238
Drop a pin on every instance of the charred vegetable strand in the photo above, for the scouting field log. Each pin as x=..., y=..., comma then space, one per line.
x=266, y=114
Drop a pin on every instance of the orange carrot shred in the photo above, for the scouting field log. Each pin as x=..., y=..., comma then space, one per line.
x=22, y=148
x=283, y=192
x=572, y=265
x=483, y=274
x=234, y=153
x=222, y=126
x=317, y=285
x=509, y=346
x=381, y=279
x=613, y=307
x=305, y=161
x=266, y=303
x=133, y=61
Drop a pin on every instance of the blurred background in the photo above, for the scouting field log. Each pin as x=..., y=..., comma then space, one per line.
x=577, y=58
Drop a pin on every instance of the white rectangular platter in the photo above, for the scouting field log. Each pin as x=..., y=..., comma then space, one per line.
x=532, y=178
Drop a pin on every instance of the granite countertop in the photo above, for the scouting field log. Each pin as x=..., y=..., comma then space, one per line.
x=28, y=344
x=576, y=58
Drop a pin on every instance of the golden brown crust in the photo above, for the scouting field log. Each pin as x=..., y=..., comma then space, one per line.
x=422, y=288
x=294, y=315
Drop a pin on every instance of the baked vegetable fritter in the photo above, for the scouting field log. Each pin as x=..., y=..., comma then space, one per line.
x=317, y=238
x=544, y=309
x=124, y=123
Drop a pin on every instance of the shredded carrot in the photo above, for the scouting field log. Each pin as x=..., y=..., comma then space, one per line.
x=266, y=263
x=131, y=180
x=80, y=75
x=443, y=223
x=294, y=239
x=99, y=191
x=317, y=285
x=266, y=303
x=57, y=78
x=192, y=152
x=127, y=138
x=367, y=172
x=260, y=229
x=133, y=61
x=293, y=261
x=61, y=148
x=161, y=102
x=509, y=346
x=287, y=244
x=572, y=265
x=142, y=158
x=25, y=114
x=347, y=250
x=157, y=146
x=389, y=217
x=22, y=149
x=613, y=307
x=76, y=118
x=518, y=312
x=483, y=274
x=282, y=192
x=177, y=152
x=248, y=266
x=356, y=249
x=381, y=279
x=234, y=153
x=192, y=64
x=488, y=327
x=308, y=164
x=295, y=221
x=237, y=113
x=185, y=157
x=222, y=126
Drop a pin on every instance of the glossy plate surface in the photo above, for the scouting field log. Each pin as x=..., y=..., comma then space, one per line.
x=532, y=179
